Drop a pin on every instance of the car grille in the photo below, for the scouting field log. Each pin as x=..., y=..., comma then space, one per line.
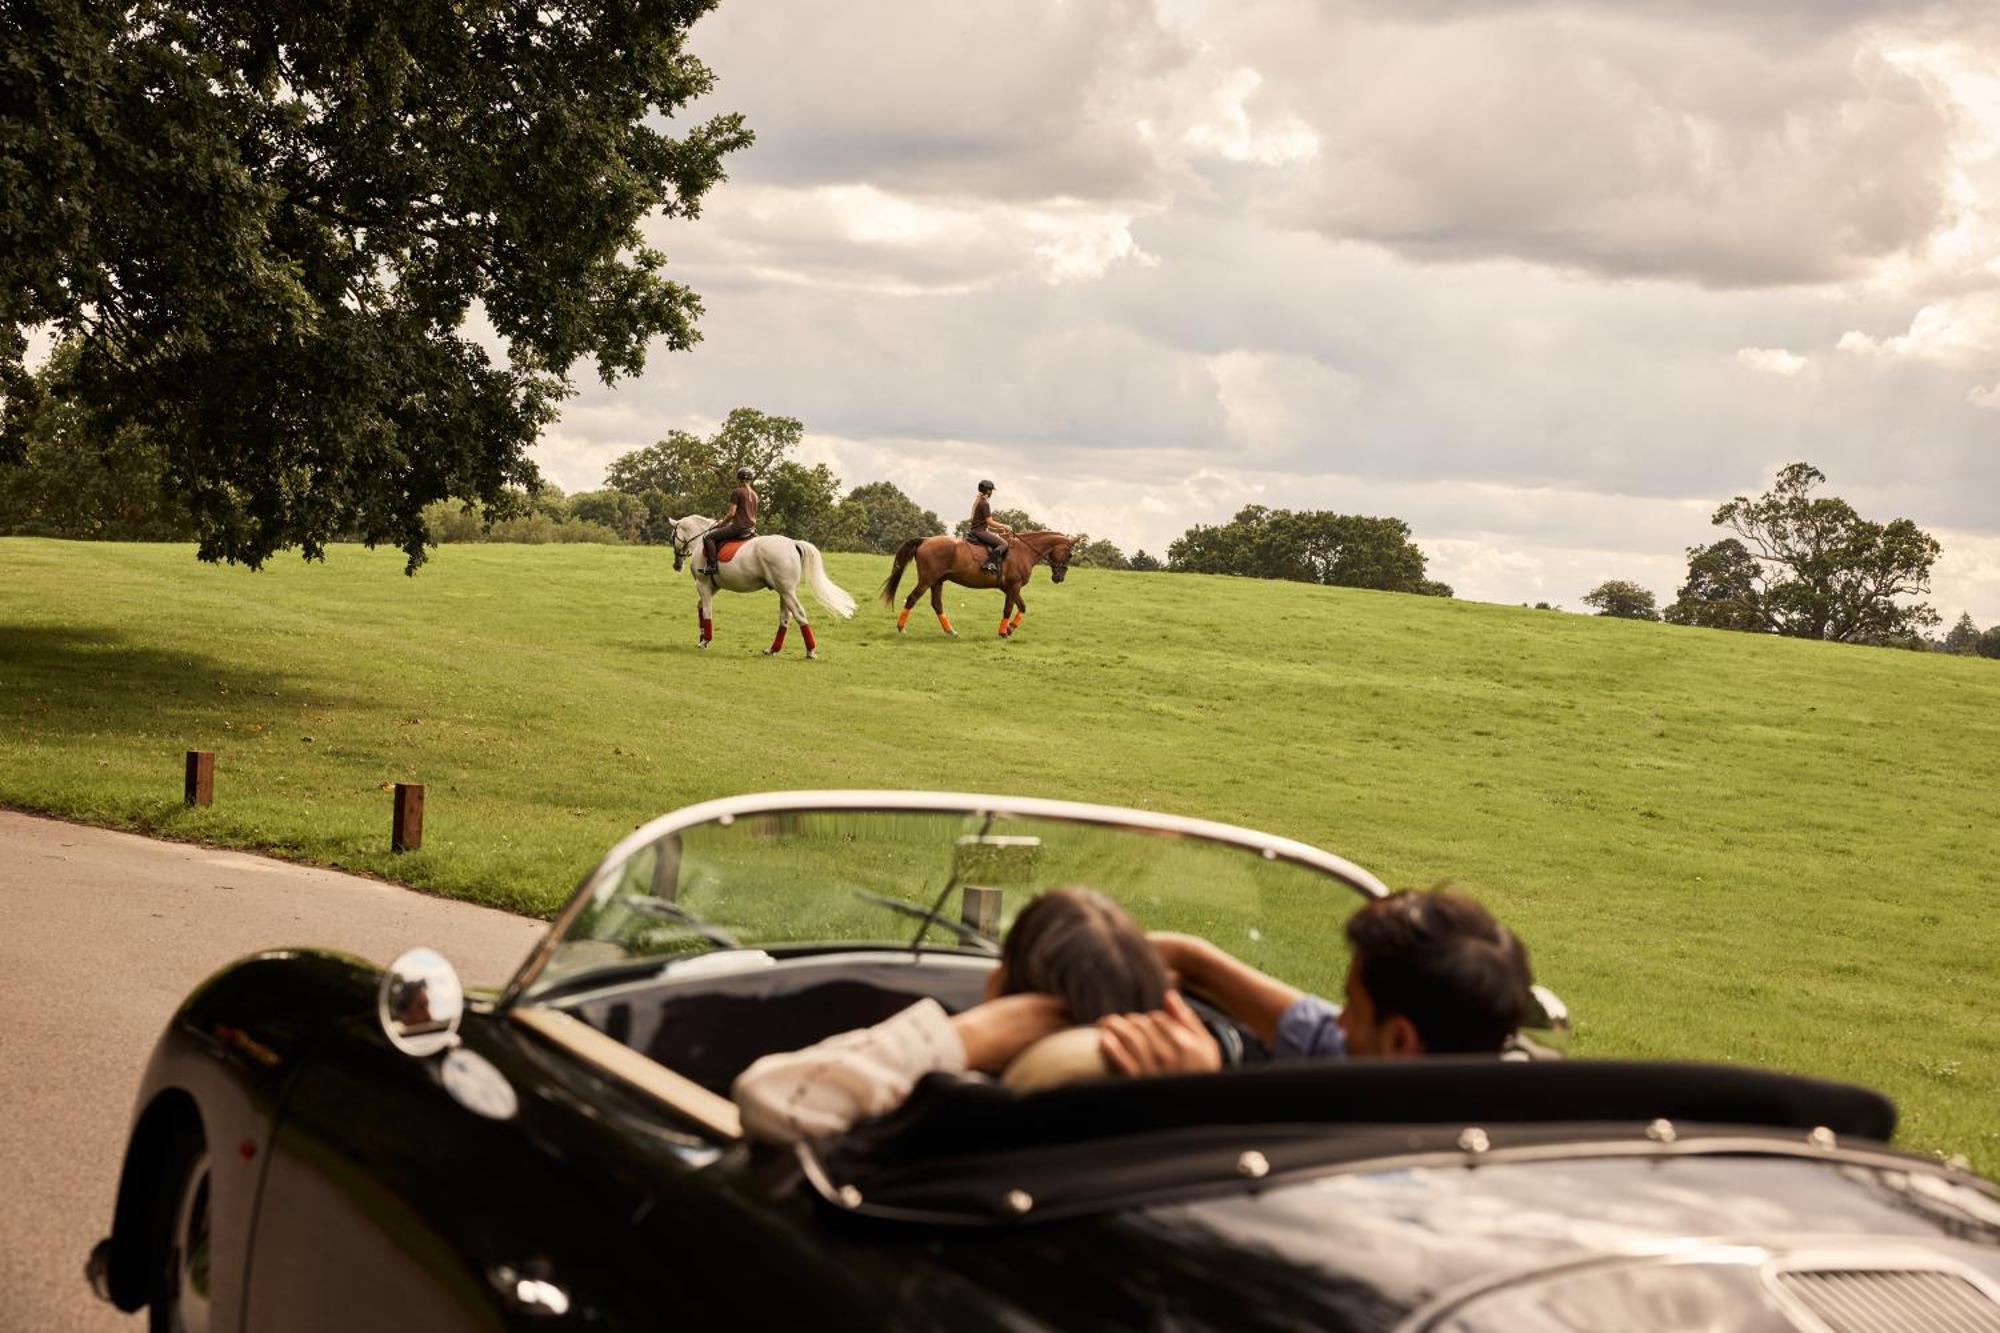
x=1891, y=1300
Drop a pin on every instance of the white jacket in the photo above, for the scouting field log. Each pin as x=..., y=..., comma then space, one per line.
x=827, y=1088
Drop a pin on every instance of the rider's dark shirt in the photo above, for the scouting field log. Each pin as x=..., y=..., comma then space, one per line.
x=744, y=501
x=981, y=513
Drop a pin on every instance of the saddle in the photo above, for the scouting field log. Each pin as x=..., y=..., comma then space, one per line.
x=981, y=554
x=728, y=548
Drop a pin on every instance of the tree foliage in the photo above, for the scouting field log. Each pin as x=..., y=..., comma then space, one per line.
x=1624, y=599
x=1143, y=560
x=267, y=226
x=1962, y=637
x=1721, y=591
x=1308, y=546
x=621, y=513
x=1809, y=567
x=1989, y=643
x=78, y=480
x=687, y=474
x=886, y=518
x=1097, y=553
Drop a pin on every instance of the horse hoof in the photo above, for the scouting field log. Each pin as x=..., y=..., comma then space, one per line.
x=813, y=656
x=701, y=643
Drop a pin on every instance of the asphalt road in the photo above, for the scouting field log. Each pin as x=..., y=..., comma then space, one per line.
x=101, y=935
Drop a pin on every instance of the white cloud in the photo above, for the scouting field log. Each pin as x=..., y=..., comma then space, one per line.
x=866, y=239
x=1546, y=278
x=1955, y=330
x=1227, y=128
x=1618, y=142
x=1772, y=360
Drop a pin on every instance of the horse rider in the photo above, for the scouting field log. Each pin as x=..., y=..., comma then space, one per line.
x=738, y=525
x=987, y=532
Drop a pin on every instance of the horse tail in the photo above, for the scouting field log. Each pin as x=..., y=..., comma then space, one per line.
x=904, y=554
x=830, y=594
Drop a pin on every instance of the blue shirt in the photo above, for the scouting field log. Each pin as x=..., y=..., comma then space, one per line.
x=1309, y=1029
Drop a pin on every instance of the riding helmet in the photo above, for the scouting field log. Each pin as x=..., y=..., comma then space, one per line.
x=986, y=488
x=745, y=474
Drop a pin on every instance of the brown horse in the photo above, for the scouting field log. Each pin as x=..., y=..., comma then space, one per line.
x=942, y=560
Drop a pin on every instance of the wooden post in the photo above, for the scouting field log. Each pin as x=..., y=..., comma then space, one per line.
x=981, y=911
x=199, y=788
x=408, y=833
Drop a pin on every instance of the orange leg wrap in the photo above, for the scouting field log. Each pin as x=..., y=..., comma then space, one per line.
x=903, y=620
x=945, y=622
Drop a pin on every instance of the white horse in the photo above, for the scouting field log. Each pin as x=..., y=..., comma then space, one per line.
x=773, y=562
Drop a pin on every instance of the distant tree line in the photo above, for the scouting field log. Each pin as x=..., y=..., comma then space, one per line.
x=1806, y=566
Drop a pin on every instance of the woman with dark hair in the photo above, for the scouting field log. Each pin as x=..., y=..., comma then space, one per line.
x=1072, y=957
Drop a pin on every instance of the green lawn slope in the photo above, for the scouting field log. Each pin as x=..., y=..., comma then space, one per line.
x=1718, y=845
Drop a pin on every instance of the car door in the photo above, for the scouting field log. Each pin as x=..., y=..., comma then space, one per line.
x=394, y=1200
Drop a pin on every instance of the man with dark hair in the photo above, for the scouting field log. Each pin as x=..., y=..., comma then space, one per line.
x=1428, y=973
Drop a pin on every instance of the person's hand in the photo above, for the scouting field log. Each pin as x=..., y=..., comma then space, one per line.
x=995, y=1031
x=1172, y=1041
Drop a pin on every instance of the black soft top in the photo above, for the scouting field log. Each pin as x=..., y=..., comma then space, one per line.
x=967, y=1151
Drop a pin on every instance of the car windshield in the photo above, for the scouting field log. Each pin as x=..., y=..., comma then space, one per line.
x=788, y=874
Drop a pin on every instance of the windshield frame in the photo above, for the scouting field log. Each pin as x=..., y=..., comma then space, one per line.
x=728, y=809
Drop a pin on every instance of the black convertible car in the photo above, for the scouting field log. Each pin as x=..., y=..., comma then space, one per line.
x=322, y=1145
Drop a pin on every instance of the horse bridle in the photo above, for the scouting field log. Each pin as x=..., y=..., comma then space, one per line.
x=681, y=548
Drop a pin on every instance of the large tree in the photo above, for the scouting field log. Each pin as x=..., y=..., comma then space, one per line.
x=888, y=517
x=1308, y=546
x=1623, y=599
x=269, y=227
x=687, y=473
x=1721, y=589
x=1810, y=567
x=1963, y=637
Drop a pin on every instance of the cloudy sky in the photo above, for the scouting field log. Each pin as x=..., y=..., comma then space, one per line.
x=1548, y=279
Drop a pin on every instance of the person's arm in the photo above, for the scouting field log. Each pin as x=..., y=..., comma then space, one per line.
x=995, y=525
x=1255, y=999
x=829, y=1087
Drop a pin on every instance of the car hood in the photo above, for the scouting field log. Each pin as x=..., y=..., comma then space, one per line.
x=1378, y=1249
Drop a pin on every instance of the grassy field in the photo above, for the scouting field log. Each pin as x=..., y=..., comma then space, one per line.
x=1718, y=845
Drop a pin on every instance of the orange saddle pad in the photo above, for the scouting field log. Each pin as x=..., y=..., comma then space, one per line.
x=727, y=549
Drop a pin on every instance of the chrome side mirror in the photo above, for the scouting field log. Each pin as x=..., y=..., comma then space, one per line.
x=420, y=1003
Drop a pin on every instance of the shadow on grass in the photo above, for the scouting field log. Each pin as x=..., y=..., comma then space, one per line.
x=60, y=681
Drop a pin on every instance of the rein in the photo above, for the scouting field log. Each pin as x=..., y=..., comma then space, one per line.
x=681, y=548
